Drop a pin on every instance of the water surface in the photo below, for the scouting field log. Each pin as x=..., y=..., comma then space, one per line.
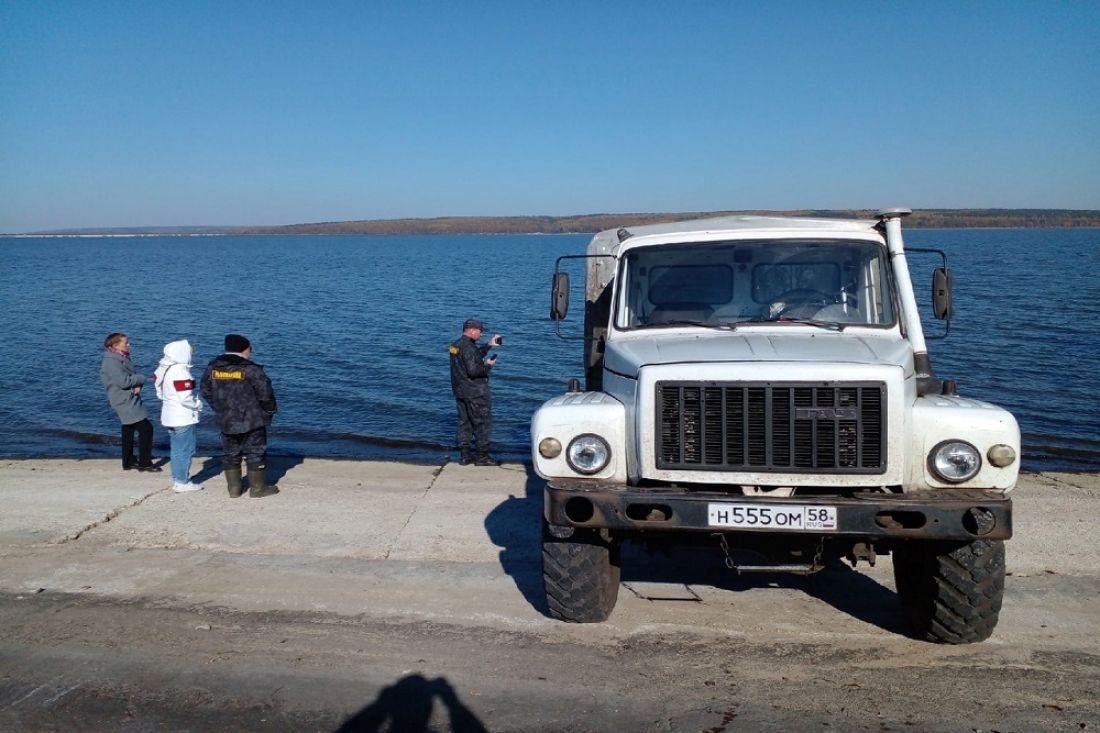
x=354, y=333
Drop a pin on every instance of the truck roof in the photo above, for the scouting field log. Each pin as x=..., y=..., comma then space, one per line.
x=609, y=239
x=740, y=223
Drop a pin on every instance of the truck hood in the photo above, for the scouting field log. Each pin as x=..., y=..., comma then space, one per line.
x=627, y=356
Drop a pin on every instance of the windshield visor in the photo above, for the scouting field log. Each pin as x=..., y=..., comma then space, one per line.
x=721, y=284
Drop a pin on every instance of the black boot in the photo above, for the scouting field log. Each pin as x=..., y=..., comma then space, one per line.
x=257, y=482
x=233, y=481
x=465, y=459
x=484, y=459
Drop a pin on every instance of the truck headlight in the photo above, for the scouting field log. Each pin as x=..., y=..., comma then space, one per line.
x=955, y=461
x=588, y=453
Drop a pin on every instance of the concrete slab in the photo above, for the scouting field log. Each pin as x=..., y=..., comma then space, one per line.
x=473, y=514
x=393, y=510
x=47, y=502
x=1051, y=532
x=457, y=592
x=324, y=509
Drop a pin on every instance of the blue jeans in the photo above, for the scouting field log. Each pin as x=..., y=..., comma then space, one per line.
x=183, y=450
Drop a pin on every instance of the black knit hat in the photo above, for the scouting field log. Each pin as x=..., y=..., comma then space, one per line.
x=473, y=323
x=236, y=344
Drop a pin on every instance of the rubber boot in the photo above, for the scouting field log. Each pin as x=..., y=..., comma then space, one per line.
x=257, y=482
x=465, y=459
x=484, y=459
x=233, y=481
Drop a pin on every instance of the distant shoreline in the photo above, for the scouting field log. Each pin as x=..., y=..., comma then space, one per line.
x=590, y=223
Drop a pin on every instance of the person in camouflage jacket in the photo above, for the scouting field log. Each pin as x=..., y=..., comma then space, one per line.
x=244, y=403
x=470, y=385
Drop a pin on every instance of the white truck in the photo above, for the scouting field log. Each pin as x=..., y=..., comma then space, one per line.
x=763, y=384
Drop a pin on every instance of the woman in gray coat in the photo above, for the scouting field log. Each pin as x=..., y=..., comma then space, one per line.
x=123, y=387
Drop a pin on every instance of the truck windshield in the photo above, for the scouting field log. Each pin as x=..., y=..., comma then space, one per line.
x=719, y=284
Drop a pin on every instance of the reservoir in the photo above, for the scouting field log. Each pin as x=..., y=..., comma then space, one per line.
x=353, y=331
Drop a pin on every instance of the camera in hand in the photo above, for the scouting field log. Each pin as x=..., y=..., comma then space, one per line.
x=500, y=340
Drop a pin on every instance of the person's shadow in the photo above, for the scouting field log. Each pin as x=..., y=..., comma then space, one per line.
x=211, y=468
x=277, y=468
x=406, y=706
x=515, y=525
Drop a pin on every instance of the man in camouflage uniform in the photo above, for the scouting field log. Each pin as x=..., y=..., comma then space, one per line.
x=470, y=384
x=244, y=402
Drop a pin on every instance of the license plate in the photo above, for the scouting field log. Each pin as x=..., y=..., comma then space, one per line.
x=773, y=516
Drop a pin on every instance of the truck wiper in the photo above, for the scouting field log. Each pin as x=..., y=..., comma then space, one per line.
x=721, y=326
x=827, y=325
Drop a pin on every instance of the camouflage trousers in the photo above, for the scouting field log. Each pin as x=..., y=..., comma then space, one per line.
x=475, y=420
x=252, y=446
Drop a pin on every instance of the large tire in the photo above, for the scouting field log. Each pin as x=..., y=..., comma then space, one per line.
x=951, y=592
x=581, y=576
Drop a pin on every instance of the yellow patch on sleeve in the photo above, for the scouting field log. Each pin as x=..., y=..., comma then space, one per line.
x=453, y=350
x=219, y=374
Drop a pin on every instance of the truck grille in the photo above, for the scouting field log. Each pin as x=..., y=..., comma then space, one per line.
x=789, y=427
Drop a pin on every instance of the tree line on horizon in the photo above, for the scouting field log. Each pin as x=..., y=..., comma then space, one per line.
x=590, y=223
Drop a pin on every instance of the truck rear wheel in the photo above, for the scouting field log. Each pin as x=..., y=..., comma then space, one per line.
x=580, y=575
x=951, y=592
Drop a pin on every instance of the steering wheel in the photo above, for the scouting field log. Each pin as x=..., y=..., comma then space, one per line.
x=807, y=300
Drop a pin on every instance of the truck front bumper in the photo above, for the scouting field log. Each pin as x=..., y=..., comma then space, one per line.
x=940, y=514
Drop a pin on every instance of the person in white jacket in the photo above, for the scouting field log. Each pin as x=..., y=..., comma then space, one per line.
x=179, y=409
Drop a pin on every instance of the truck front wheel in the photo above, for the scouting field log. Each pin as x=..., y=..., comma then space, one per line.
x=951, y=592
x=581, y=576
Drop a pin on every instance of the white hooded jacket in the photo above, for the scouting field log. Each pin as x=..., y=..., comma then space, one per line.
x=179, y=404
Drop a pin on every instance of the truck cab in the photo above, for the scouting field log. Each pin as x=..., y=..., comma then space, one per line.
x=764, y=383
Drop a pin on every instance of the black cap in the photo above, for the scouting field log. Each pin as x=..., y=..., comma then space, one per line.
x=236, y=344
x=473, y=323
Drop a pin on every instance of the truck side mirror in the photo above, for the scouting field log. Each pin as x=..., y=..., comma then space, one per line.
x=942, y=281
x=559, y=296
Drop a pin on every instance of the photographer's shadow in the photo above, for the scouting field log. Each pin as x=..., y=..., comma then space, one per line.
x=406, y=706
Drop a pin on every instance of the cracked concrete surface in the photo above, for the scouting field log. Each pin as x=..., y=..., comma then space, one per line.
x=412, y=513
x=106, y=518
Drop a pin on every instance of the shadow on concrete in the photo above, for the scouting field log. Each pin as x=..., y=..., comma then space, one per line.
x=515, y=525
x=838, y=585
x=851, y=592
x=211, y=468
x=277, y=468
x=406, y=706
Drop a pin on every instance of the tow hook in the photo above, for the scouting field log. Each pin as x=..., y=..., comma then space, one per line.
x=862, y=551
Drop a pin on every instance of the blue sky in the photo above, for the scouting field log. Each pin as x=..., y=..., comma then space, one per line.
x=151, y=113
